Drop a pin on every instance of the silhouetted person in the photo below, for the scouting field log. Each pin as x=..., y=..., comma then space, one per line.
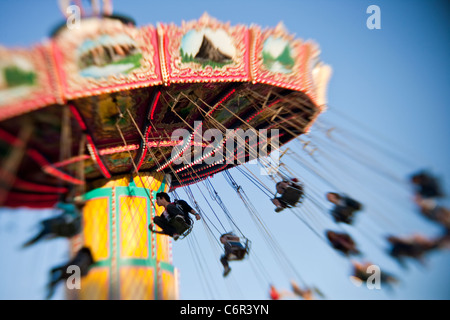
x=287, y=200
x=361, y=272
x=164, y=220
x=295, y=292
x=414, y=247
x=67, y=224
x=306, y=294
x=83, y=259
x=234, y=250
x=426, y=185
x=344, y=208
x=342, y=242
x=273, y=293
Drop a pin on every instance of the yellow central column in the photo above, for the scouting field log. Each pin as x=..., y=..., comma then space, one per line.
x=130, y=261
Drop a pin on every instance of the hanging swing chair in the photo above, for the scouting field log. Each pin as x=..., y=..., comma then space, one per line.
x=181, y=226
x=292, y=195
x=239, y=248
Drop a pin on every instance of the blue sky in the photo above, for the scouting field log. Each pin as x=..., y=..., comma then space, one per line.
x=393, y=82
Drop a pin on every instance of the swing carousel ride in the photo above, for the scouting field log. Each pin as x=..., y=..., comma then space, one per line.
x=95, y=111
x=91, y=113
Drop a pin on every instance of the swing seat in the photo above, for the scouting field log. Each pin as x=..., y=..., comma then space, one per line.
x=238, y=250
x=343, y=214
x=291, y=196
x=180, y=225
